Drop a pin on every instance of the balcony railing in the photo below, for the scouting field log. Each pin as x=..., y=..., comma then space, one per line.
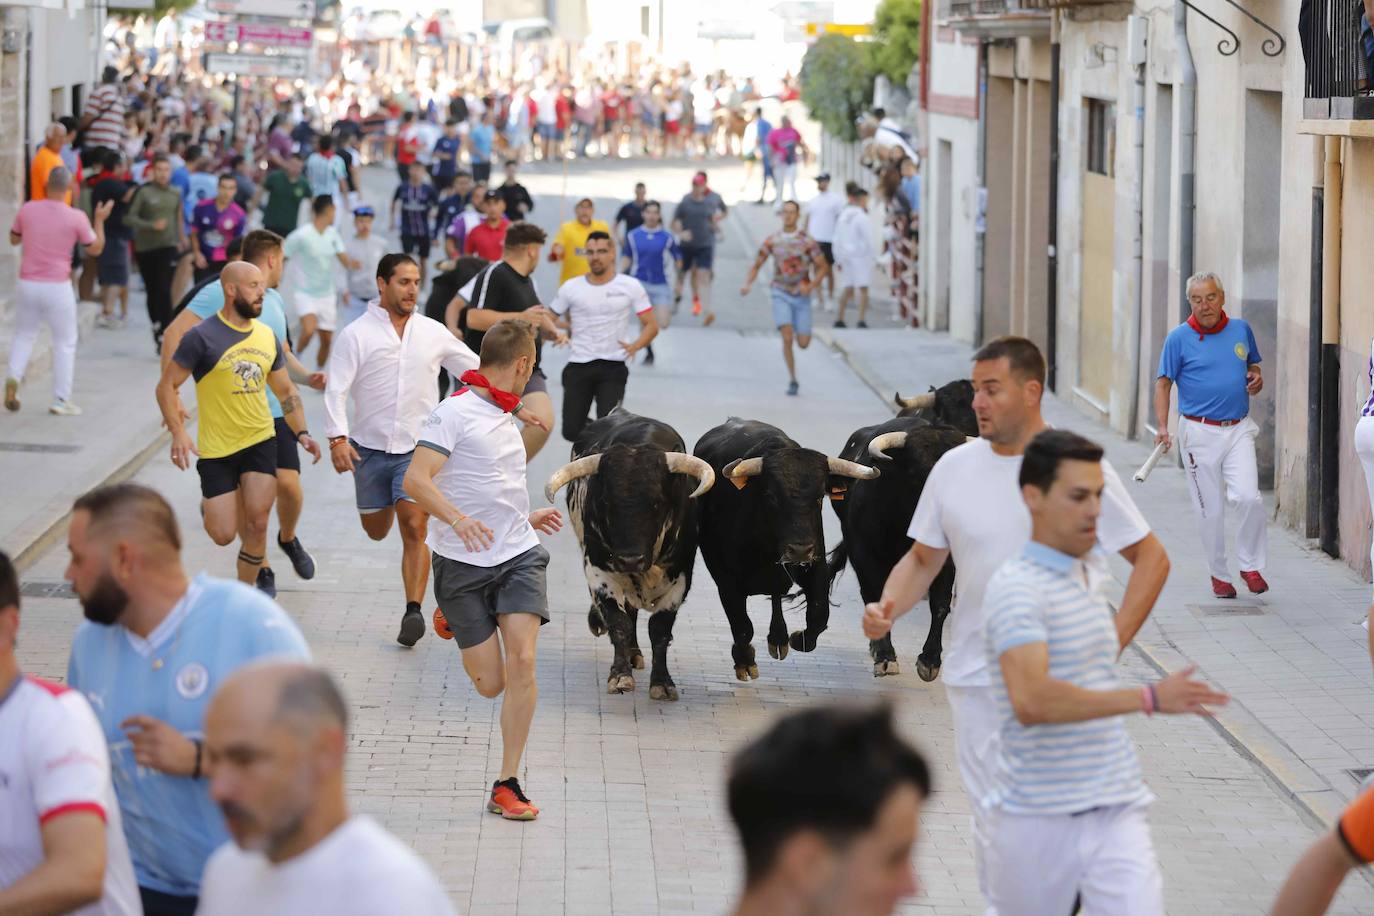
x=995, y=18
x=1338, y=75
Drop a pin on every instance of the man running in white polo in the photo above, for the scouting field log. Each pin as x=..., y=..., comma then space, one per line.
x=971, y=510
x=468, y=473
x=1066, y=804
x=312, y=250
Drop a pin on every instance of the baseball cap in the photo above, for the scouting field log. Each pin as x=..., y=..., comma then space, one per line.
x=823, y=176
x=698, y=179
x=364, y=211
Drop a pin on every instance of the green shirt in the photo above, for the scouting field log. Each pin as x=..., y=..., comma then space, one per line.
x=150, y=204
x=284, y=197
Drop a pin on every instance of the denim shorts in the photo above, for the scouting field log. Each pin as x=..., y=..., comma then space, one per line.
x=660, y=294
x=793, y=309
x=377, y=478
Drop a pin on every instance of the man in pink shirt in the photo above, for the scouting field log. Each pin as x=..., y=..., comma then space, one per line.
x=48, y=229
x=786, y=146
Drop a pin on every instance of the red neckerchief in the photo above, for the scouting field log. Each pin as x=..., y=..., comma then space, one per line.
x=504, y=399
x=1214, y=329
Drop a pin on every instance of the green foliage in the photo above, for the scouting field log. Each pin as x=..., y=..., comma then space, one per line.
x=836, y=83
x=159, y=7
x=896, y=44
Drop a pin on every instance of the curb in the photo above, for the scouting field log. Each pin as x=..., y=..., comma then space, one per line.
x=1307, y=791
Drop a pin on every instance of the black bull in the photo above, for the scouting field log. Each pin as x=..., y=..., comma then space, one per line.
x=761, y=531
x=874, y=517
x=631, y=489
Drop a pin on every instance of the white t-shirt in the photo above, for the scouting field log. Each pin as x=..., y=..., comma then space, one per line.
x=53, y=761
x=358, y=869
x=600, y=315
x=821, y=213
x=484, y=477
x=972, y=505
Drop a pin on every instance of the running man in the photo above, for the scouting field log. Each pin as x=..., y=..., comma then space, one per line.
x=214, y=224
x=263, y=250
x=795, y=255
x=416, y=199
x=234, y=359
x=366, y=250
x=597, y=308
x=647, y=251
x=854, y=252
x=286, y=190
x=697, y=223
x=487, y=239
x=1066, y=804
x=971, y=510
x=818, y=221
x=1319, y=874
x=326, y=172
x=315, y=247
x=570, y=245
x=489, y=567
x=630, y=215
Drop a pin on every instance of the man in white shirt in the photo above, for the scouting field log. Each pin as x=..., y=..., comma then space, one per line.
x=854, y=252
x=62, y=847
x=818, y=221
x=275, y=738
x=971, y=509
x=468, y=473
x=366, y=250
x=597, y=307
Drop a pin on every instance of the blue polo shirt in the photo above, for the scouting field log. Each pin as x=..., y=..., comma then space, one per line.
x=1210, y=373
x=211, y=299
x=646, y=250
x=219, y=626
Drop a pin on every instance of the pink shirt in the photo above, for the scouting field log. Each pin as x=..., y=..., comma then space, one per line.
x=50, y=229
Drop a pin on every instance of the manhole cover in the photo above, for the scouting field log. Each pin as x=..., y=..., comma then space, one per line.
x=46, y=590
x=1226, y=609
x=37, y=447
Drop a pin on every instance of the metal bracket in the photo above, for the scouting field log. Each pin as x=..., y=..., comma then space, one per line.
x=1268, y=46
x=1233, y=41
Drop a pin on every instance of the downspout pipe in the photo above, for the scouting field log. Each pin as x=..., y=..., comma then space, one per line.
x=1187, y=152
x=1052, y=236
x=981, y=183
x=1331, y=341
x=1316, y=274
x=1141, y=52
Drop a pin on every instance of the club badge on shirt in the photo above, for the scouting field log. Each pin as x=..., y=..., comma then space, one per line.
x=192, y=681
x=1242, y=351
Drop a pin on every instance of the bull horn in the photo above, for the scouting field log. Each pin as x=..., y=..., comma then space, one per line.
x=882, y=443
x=682, y=463
x=842, y=468
x=926, y=400
x=580, y=467
x=743, y=467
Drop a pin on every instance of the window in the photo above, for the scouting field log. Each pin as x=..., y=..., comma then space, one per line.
x=1101, y=136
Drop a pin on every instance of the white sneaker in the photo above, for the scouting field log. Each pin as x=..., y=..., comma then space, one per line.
x=64, y=409
x=106, y=321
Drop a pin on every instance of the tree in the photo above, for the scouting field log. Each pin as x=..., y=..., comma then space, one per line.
x=836, y=83
x=159, y=7
x=896, y=44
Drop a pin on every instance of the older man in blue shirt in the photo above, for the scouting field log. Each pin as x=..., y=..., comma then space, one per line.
x=1214, y=361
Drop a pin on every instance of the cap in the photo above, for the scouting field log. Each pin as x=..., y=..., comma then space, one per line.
x=490, y=195
x=823, y=176
x=698, y=179
x=364, y=211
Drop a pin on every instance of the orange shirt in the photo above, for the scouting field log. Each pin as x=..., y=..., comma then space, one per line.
x=44, y=161
x=1356, y=827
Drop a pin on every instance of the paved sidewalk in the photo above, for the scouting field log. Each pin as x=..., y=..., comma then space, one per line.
x=1295, y=660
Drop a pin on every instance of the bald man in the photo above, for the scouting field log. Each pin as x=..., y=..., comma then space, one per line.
x=154, y=642
x=275, y=739
x=234, y=358
x=48, y=157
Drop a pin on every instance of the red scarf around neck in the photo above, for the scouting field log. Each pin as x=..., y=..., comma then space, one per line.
x=504, y=399
x=1214, y=329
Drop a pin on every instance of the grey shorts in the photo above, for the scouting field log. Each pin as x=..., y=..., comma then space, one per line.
x=538, y=382
x=471, y=597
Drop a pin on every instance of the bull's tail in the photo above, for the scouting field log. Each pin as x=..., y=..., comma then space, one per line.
x=835, y=563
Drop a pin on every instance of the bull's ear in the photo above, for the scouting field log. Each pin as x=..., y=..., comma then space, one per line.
x=739, y=482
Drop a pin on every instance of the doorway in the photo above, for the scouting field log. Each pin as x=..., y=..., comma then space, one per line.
x=1259, y=280
x=1096, y=361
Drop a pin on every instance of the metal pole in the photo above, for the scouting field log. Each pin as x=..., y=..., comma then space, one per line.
x=1052, y=240
x=234, y=127
x=980, y=227
x=1314, y=349
x=1187, y=146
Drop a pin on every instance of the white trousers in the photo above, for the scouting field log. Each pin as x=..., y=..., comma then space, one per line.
x=785, y=181
x=1220, y=463
x=976, y=733
x=55, y=304
x=1038, y=864
x=1364, y=447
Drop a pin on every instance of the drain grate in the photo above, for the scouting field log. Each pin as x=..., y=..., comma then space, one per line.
x=46, y=589
x=1227, y=609
x=38, y=447
x=1360, y=774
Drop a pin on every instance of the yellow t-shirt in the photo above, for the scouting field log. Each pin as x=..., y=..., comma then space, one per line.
x=572, y=235
x=230, y=366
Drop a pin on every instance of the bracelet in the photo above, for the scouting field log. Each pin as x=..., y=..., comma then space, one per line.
x=341, y=440
x=200, y=747
x=519, y=406
x=1154, y=698
x=1147, y=699
x=454, y=524
x=304, y=432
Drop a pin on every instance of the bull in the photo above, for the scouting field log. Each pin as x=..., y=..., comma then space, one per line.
x=875, y=514
x=949, y=405
x=762, y=535
x=632, y=491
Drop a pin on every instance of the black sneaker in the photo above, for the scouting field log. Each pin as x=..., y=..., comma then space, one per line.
x=840, y=324
x=301, y=560
x=792, y=388
x=648, y=356
x=412, y=626
x=267, y=582
x=861, y=324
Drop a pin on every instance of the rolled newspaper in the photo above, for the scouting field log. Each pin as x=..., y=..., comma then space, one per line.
x=1150, y=463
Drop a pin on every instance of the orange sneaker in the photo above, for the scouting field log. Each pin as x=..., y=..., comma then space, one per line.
x=696, y=306
x=441, y=629
x=508, y=801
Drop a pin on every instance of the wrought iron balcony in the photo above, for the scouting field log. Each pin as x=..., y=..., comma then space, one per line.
x=995, y=18
x=1339, y=75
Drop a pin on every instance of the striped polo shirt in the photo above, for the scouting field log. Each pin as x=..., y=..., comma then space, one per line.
x=1368, y=409
x=1044, y=596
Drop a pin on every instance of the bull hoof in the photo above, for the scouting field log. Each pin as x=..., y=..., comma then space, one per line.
x=801, y=642
x=746, y=672
x=620, y=683
x=777, y=650
x=663, y=692
x=886, y=669
x=637, y=660
x=596, y=623
x=927, y=672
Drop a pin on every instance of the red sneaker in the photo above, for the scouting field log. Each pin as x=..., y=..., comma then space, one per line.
x=441, y=629
x=1223, y=589
x=508, y=801
x=1255, y=582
